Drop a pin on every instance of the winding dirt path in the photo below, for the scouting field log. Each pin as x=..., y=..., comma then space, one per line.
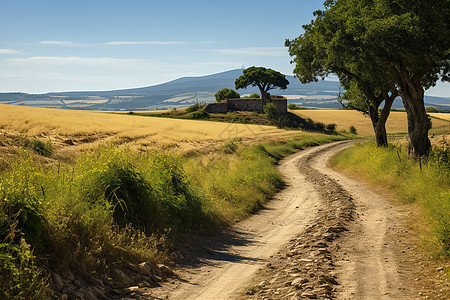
x=324, y=236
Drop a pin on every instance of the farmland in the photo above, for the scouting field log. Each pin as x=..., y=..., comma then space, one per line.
x=396, y=122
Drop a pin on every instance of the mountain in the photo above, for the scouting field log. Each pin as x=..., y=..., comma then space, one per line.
x=183, y=92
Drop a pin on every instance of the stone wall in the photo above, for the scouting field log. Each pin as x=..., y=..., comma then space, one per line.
x=216, y=108
x=245, y=104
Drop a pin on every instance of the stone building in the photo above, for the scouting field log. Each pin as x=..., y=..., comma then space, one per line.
x=245, y=104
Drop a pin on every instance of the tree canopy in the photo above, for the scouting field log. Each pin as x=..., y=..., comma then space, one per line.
x=264, y=79
x=226, y=94
x=382, y=46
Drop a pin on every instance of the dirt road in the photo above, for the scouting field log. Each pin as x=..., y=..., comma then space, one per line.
x=324, y=236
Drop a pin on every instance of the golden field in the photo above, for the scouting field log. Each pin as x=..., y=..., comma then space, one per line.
x=396, y=122
x=87, y=128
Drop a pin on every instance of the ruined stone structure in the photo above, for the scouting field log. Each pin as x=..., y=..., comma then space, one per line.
x=245, y=104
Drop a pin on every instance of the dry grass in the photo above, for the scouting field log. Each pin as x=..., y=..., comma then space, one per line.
x=445, y=116
x=87, y=129
x=346, y=118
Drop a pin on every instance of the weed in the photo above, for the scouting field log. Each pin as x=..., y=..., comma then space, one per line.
x=40, y=147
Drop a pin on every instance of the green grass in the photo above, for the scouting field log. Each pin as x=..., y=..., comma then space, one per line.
x=239, y=180
x=115, y=206
x=426, y=183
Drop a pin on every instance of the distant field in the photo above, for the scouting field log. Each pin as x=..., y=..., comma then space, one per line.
x=86, y=127
x=346, y=118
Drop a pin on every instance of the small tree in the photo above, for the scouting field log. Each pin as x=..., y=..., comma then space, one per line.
x=254, y=95
x=264, y=79
x=225, y=93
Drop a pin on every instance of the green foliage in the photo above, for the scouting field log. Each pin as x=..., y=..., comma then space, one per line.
x=426, y=183
x=231, y=146
x=21, y=200
x=432, y=109
x=237, y=184
x=375, y=45
x=194, y=107
x=254, y=95
x=226, y=94
x=152, y=198
x=352, y=129
x=331, y=127
x=20, y=278
x=199, y=115
x=292, y=106
x=264, y=79
x=271, y=111
x=40, y=147
x=115, y=205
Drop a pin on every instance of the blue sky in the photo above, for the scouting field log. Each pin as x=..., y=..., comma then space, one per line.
x=64, y=45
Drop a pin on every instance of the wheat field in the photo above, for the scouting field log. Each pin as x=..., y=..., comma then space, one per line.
x=70, y=127
x=396, y=122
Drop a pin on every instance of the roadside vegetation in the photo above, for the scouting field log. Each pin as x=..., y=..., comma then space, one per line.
x=115, y=206
x=423, y=182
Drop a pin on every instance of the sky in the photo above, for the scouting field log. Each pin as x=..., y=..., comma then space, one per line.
x=62, y=45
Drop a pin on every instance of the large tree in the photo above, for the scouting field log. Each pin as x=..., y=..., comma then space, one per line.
x=264, y=79
x=404, y=42
x=328, y=46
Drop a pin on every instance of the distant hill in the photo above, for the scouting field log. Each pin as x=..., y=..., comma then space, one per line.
x=183, y=92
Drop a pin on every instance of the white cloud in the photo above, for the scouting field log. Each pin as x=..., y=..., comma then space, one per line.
x=9, y=51
x=91, y=61
x=59, y=43
x=258, y=51
x=144, y=43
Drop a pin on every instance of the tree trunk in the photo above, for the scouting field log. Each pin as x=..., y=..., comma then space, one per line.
x=418, y=123
x=265, y=97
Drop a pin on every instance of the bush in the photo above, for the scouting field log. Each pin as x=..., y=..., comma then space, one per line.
x=226, y=94
x=152, y=199
x=352, y=129
x=254, y=95
x=271, y=111
x=199, y=114
x=194, y=107
x=292, y=106
x=432, y=109
x=20, y=278
x=21, y=201
x=331, y=127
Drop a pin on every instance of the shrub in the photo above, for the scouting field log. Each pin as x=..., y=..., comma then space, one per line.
x=320, y=126
x=21, y=202
x=271, y=111
x=331, y=127
x=194, y=107
x=254, y=95
x=292, y=106
x=432, y=109
x=20, y=278
x=352, y=129
x=199, y=114
x=226, y=94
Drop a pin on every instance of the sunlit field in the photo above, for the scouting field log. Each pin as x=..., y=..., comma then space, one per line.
x=82, y=128
x=395, y=124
